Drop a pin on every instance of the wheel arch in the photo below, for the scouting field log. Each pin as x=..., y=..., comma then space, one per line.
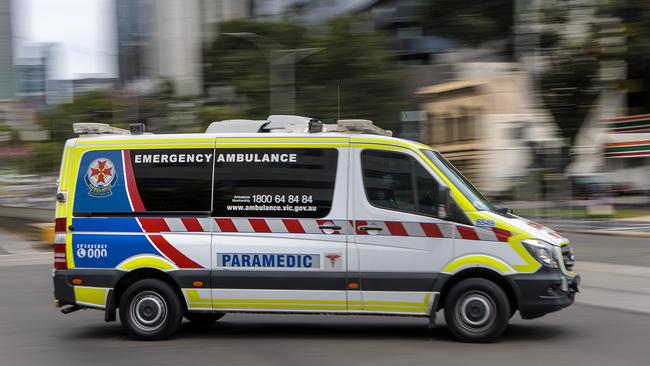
x=478, y=272
x=136, y=275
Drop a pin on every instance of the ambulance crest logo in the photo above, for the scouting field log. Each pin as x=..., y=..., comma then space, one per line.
x=101, y=177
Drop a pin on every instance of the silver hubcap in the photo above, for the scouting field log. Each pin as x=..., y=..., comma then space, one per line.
x=148, y=311
x=476, y=311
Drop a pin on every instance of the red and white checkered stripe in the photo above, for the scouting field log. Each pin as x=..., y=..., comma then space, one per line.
x=310, y=226
x=175, y=224
x=434, y=230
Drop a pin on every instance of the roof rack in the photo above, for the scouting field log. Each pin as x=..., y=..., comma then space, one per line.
x=295, y=124
x=273, y=124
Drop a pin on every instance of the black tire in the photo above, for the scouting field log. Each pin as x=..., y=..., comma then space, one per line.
x=203, y=318
x=150, y=310
x=477, y=310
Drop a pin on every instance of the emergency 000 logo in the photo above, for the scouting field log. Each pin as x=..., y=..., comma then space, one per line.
x=101, y=177
x=91, y=251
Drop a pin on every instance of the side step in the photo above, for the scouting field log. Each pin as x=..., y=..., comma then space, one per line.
x=71, y=309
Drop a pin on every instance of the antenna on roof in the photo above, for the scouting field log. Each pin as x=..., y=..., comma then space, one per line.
x=338, y=101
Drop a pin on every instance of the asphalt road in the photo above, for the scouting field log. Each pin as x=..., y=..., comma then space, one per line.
x=611, y=249
x=32, y=332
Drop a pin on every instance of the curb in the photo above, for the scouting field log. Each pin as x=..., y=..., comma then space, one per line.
x=28, y=213
x=626, y=234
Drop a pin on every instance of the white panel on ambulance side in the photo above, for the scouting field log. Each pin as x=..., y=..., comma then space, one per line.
x=279, y=239
x=400, y=253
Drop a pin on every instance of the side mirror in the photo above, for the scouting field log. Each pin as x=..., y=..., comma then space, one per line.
x=448, y=209
x=444, y=199
x=505, y=211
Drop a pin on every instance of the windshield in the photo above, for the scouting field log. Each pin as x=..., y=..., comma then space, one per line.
x=469, y=191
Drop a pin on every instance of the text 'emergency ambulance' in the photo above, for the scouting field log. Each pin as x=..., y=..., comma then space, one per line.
x=172, y=158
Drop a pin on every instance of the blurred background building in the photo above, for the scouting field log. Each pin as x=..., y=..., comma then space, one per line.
x=163, y=40
x=6, y=51
x=486, y=125
x=522, y=96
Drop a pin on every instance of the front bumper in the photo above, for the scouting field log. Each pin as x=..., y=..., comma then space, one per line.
x=543, y=292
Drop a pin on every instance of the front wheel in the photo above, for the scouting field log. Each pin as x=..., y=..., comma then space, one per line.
x=477, y=310
x=150, y=310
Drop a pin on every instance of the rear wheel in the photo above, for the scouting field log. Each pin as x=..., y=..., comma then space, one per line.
x=203, y=318
x=150, y=310
x=477, y=310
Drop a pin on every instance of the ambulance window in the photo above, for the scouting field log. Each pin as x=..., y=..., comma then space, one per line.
x=396, y=181
x=274, y=182
x=174, y=179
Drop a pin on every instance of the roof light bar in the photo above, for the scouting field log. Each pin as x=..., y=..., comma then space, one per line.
x=362, y=126
x=91, y=128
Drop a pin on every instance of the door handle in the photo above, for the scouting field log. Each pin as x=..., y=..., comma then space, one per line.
x=370, y=228
x=329, y=227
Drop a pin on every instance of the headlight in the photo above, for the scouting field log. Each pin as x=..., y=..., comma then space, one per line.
x=543, y=251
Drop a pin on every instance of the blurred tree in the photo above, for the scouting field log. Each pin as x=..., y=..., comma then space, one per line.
x=353, y=76
x=92, y=106
x=87, y=107
x=572, y=82
x=635, y=16
x=570, y=88
x=353, y=62
x=244, y=64
x=476, y=23
x=46, y=158
x=471, y=23
x=633, y=49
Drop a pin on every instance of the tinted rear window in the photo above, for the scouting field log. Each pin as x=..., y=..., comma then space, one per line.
x=174, y=179
x=274, y=182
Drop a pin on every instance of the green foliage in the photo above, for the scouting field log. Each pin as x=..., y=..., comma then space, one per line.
x=571, y=85
x=636, y=18
x=352, y=61
x=240, y=62
x=88, y=107
x=46, y=159
x=354, y=65
x=6, y=130
x=569, y=90
x=469, y=22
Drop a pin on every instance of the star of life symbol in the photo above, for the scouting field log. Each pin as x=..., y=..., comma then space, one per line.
x=334, y=260
x=101, y=177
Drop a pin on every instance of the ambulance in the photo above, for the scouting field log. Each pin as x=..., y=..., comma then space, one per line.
x=290, y=215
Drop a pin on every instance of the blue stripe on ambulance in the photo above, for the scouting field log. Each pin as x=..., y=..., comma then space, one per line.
x=106, y=224
x=107, y=250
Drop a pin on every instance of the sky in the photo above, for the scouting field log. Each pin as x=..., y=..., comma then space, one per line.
x=83, y=30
